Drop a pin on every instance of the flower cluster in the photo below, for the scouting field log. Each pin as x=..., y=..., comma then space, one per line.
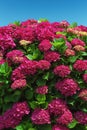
x=62, y=70
x=40, y=116
x=68, y=87
x=43, y=71
x=13, y=116
x=81, y=117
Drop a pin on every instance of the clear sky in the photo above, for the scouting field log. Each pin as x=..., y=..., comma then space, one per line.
x=53, y=10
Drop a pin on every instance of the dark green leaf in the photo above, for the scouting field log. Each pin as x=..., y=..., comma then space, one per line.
x=29, y=94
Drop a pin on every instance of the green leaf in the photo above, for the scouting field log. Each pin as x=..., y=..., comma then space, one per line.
x=41, y=98
x=32, y=129
x=19, y=127
x=72, y=124
x=57, y=43
x=42, y=20
x=17, y=23
x=73, y=25
x=45, y=127
x=5, y=69
x=46, y=76
x=72, y=59
x=33, y=104
x=40, y=82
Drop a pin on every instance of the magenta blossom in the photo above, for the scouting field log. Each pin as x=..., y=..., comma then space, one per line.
x=52, y=56
x=20, y=83
x=40, y=116
x=42, y=90
x=45, y=45
x=62, y=70
x=67, y=87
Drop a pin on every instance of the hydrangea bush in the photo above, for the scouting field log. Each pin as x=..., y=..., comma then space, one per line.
x=43, y=76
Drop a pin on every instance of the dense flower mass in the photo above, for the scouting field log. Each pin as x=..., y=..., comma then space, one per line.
x=65, y=118
x=62, y=70
x=40, y=116
x=57, y=106
x=81, y=117
x=13, y=116
x=43, y=76
x=68, y=87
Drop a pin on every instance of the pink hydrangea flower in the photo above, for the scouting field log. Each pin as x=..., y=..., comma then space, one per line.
x=65, y=118
x=68, y=44
x=40, y=116
x=52, y=56
x=45, y=45
x=56, y=27
x=62, y=70
x=6, y=42
x=29, y=23
x=44, y=30
x=28, y=67
x=27, y=34
x=67, y=87
x=20, y=83
x=69, y=52
x=21, y=109
x=64, y=23
x=44, y=65
x=15, y=56
x=17, y=74
x=42, y=90
x=80, y=65
x=57, y=106
x=9, y=120
x=81, y=117
x=1, y=123
x=12, y=117
x=77, y=41
x=83, y=94
x=79, y=48
x=85, y=77
x=59, y=127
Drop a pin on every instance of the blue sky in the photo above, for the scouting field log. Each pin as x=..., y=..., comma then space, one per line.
x=53, y=10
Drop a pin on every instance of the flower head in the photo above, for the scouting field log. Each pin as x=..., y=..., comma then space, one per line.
x=40, y=116
x=62, y=70
x=57, y=106
x=80, y=65
x=45, y=45
x=20, y=83
x=83, y=94
x=59, y=127
x=42, y=90
x=81, y=117
x=77, y=41
x=67, y=87
x=52, y=56
x=65, y=118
